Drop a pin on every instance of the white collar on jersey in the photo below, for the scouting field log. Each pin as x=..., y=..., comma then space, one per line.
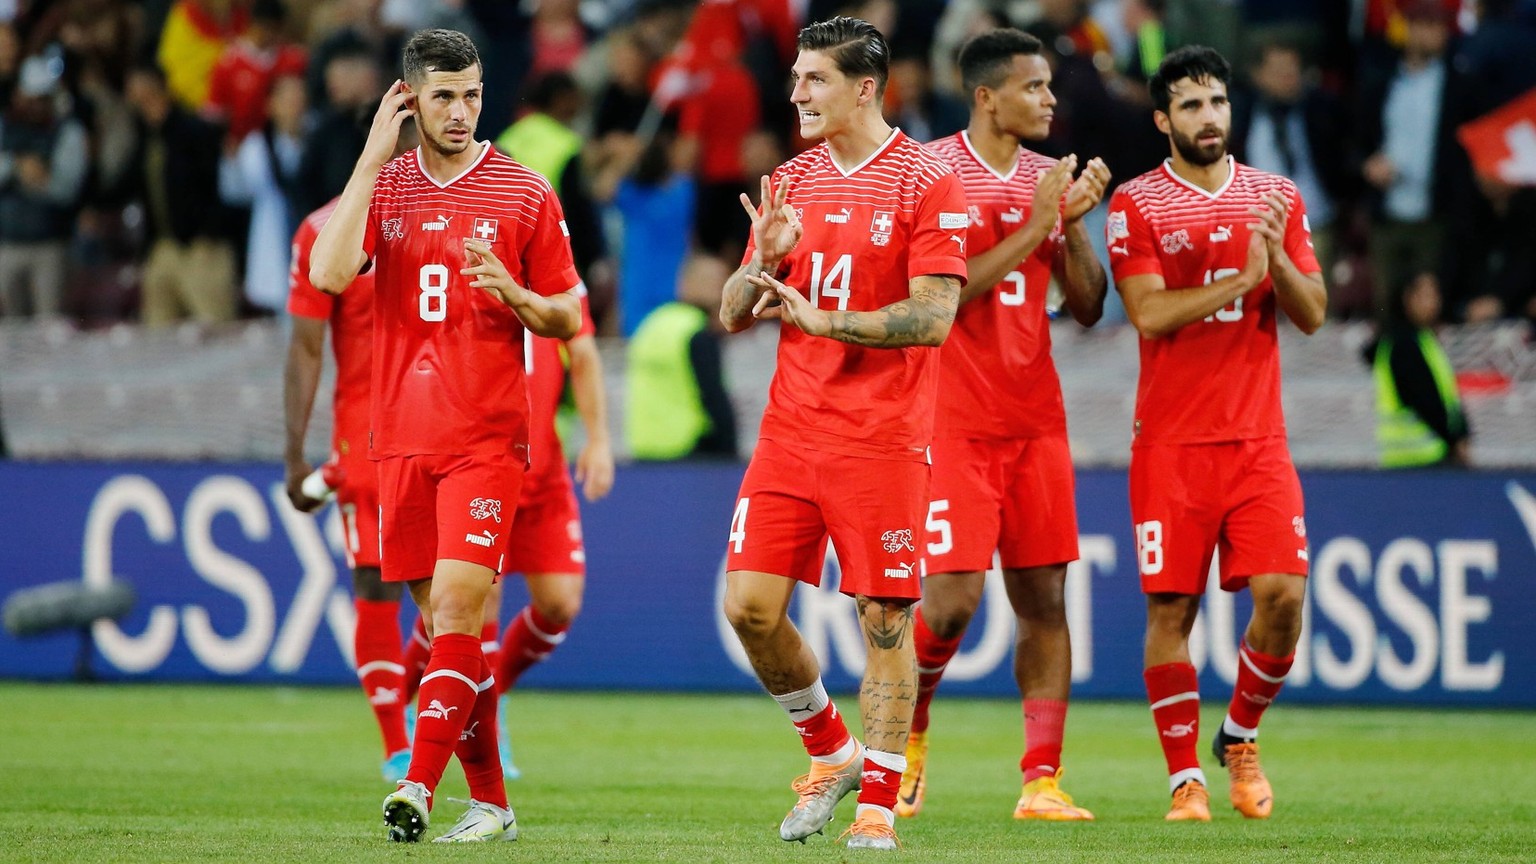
x=886, y=145
x=1231, y=175
x=965, y=138
x=485, y=150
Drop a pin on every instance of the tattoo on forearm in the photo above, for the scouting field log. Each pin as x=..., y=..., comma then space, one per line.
x=738, y=297
x=917, y=320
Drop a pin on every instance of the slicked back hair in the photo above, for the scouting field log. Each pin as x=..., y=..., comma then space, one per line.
x=1198, y=63
x=854, y=45
x=438, y=51
x=987, y=58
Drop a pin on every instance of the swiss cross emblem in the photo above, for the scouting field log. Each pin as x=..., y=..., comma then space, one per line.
x=485, y=230
x=884, y=220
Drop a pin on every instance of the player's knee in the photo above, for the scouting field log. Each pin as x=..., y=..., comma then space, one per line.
x=368, y=584
x=1282, y=606
x=750, y=619
x=559, y=611
x=947, y=624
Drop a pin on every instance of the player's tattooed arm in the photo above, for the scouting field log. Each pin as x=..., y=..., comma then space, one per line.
x=739, y=297
x=924, y=318
x=776, y=229
x=1082, y=276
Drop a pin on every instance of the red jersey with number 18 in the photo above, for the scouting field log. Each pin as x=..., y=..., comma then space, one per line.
x=868, y=230
x=1217, y=379
x=448, y=358
x=997, y=379
x=351, y=320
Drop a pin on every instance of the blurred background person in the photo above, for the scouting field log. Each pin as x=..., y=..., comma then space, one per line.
x=44, y=158
x=240, y=82
x=676, y=402
x=189, y=269
x=352, y=84
x=1420, y=421
x=263, y=174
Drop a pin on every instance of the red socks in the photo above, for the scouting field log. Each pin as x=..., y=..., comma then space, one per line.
x=1259, y=679
x=476, y=747
x=529, y=640
x=417, y=652
x=1044, y=720
x=881, y=781
x=933, y=654
x=491, y=648
x=1174, y=692
x=376, y=645
x=450, y=691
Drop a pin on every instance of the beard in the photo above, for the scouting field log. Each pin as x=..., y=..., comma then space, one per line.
x=442, y=145
x=1196, y=154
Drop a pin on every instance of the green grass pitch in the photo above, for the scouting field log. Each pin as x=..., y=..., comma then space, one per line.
x=169, y=773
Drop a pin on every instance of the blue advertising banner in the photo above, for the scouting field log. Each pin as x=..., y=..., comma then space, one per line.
x=1421, y=588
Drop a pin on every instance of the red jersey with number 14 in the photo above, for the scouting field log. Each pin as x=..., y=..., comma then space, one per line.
x=867, y=232
x=996, y=378
x=448, y=358
x=351, y=321
x=1217, y=379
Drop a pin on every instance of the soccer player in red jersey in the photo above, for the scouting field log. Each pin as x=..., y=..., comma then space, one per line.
x=1002, y=471
x=376, y=643
x=859, y=247
x=1205, y=251
x=469, y=251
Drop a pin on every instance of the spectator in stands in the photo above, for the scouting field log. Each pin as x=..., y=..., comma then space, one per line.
x=624, y=97
x=44, y=156
x=544, y=140
x=1417, y=172
x=244, y=75
x=263, y=174
x=347, y=28
x=676, y=401
x=190, y=265
x=913, y=103
x=1286, y=126
x=1420, y=421
x=653, y=191
x=556, y=36
x=331, y=147
x=195, y=36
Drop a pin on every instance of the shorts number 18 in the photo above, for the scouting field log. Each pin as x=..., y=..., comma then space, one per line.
x=1149, y=547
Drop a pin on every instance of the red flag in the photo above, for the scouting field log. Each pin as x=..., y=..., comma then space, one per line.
x=1502, y=143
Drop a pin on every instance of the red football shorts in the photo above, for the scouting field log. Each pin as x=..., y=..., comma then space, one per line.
x=546, y=532
x=455, y=507
x=357, y=500
x=1013, y=496
x=1242, y=498
x=793, y=499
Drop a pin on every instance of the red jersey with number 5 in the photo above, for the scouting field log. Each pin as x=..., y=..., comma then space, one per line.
x=1217, y=379
x=351, y=322
x=868, y=230
x=996, y=378
x=448, y=357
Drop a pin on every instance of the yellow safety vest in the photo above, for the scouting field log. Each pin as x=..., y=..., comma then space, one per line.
x=1405, y=440
x=663, y=415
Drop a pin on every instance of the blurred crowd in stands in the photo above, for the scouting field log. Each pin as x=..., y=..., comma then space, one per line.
x=156, y=156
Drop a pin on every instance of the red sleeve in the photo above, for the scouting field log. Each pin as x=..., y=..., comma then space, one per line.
x=304, y=299
x=939, y=230
x=547, y=261
x=1298, y=234
x=1129, y=237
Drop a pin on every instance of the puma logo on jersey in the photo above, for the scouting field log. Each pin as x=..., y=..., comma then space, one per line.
x=840, y=218
x=1222, y=234
x=484, y=538
x=958, y=239
x=440, y=225
x=1013, y=216
x=900, y=571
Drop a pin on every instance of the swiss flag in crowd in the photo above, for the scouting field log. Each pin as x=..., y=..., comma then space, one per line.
x=1502, y=143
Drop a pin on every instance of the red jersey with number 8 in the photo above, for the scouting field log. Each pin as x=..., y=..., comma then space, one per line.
x=1217, y=379
x=868, y=231
x=997, y=379
x=448, y=357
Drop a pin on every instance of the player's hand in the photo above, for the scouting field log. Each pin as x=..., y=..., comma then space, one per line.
x=1257, y=265
x=396, y=106
x=1272, y=219
x=294, y=473
x=1046, y=206
x=781, y=301
x=486, y=271
x=775, y=227
x=1086, y=191
x=594, y=469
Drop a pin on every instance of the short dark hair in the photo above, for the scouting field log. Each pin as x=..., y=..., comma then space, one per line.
x=1196, y=62
x=985, y=59
x=854, y=45
x=438, y=51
